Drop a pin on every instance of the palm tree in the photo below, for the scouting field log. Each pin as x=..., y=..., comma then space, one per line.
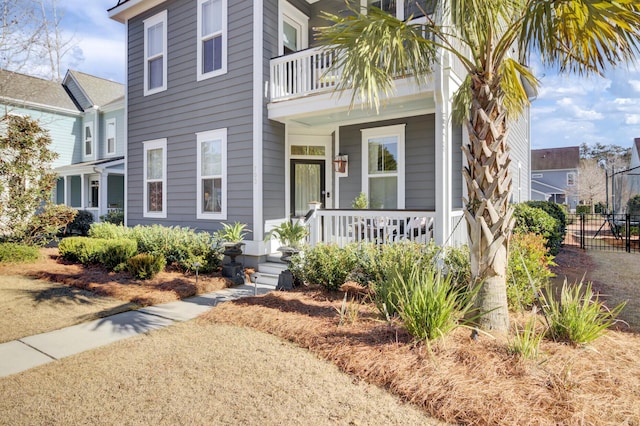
x=493, y=39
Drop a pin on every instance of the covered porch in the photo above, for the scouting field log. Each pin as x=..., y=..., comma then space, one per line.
x=96, y=186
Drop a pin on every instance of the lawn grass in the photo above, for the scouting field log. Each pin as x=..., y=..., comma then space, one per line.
x=198, y=373
x=30, y=306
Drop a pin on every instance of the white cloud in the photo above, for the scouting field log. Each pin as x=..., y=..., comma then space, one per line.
x=635, y=84
x=632, y=119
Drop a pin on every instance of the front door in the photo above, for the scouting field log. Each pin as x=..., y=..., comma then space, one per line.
x=307, y=184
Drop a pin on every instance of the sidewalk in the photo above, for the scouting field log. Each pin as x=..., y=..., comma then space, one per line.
x=28, y=352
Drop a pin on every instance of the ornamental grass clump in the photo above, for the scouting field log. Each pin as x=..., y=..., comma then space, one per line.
x=526, y=341
x=428, y=303
x=579, y=317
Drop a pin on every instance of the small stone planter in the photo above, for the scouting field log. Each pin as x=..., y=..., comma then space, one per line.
x=233, y=270
x=286, y=281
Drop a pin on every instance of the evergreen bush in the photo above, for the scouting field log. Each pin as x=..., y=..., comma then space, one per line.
x=117, y=251
x=18, y=253
x=528, y=268
x=145, y=266
x=533, y=219
x=327, y=265
x=81, y=222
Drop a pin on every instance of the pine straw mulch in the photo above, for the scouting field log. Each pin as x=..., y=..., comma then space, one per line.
x=457, y=380
x=167, y=286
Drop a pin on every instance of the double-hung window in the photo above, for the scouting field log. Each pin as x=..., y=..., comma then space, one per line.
x=212, y=38
x=571, y=179
x=211, y=174
x=88, y=139
x=383, y=171
x=404, y=9
x=111, y=136
x=155, y=53
x=155, y=178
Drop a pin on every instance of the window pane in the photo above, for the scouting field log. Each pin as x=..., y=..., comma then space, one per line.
x=212, y=54
x=111, y=145
x=211, y=157
x=155, y=73
x=290, y=37
x=211, y=17
x=307, y=150
x=383, y=192
x=212, y=195
x=383, y=155
x=87, y=132
x=418, y=7
x=154, y=163
x=154, y=196
x=93, y=196
x=388, y=6
x=154, y=39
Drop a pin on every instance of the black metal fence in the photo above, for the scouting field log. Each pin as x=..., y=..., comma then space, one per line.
x=619, y=232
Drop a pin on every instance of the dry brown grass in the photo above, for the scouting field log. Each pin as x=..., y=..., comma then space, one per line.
x=460, y=380
x=198, y=374
x=30, y=306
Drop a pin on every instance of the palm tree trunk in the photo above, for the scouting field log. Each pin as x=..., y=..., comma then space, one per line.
x=488, y=213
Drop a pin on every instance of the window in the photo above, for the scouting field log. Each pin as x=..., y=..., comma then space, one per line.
x=94, y=193
x=111, y=136
x=383, y=171
x=293, y=27
x=403, y=9
x=88, y=139
x=212, y=38
x=155, y=53
x=212, y=170
x=571, y=179
x=155, y=176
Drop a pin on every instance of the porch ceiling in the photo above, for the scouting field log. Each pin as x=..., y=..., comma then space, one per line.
x=302, y=112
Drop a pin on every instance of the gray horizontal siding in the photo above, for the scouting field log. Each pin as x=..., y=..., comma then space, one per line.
x=419, y=160
x=188, y=107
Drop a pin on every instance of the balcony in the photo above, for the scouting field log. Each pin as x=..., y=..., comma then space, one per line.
x=302, y=73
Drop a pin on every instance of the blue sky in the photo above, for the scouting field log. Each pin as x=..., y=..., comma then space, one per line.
x=567, y=112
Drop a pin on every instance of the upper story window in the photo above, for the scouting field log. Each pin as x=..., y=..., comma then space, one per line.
x=212, y=38
x=571, y=179
x=111, y=136
x=155, y=178
x=294, y=29
x=404, y=9
x=88, y=139
x=212, y=174
x=383, y=171
x=155, y=53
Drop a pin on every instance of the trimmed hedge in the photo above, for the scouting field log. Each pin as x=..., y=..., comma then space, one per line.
x=18, y=253
x=145, y=266
x=535, y=220
x=109, y=253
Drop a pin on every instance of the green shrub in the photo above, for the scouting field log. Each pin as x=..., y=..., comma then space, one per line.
x=535, y=220
x=18, y=253
x=114, y=216
x=327, y=265
x=81, y=223
x=529, y=267
x=458, y=265
x=633, y=206
x=555, y=210
x=109, y=231
x=578, y=317
x=82, y=249
x=583, y=209
x=44, y=226
x=429, y=305
x=115, y=252
x=145, y=266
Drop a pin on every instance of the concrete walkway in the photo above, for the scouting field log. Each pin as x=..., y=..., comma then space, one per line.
x=32, y=351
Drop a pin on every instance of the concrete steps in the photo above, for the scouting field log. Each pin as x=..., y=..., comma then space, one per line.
x=268, y=272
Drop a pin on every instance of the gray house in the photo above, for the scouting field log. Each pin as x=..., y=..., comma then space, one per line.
x=232, y=116
x=554, y=175
x=85, y=119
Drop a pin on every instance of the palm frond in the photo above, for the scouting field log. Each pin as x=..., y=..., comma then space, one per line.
x=582, y=36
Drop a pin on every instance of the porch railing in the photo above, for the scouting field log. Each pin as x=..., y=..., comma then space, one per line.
x=302, y=73
x=342, y=227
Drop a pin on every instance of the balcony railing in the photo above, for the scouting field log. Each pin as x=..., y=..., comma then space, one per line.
x=379, y=226
x=303, y=73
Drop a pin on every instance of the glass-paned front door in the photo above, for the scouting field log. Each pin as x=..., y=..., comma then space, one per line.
x=307, y=184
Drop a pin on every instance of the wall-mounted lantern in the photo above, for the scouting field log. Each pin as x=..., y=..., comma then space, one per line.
x=340, y=163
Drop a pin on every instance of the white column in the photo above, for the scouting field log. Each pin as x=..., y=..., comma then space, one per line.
x=442, y=226
x=102, y=193
x=83, y=191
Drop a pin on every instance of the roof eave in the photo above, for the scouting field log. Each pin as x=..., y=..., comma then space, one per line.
x=131, y=8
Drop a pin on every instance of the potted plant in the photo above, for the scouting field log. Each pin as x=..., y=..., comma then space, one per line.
x=232, y=237
x=291, y=236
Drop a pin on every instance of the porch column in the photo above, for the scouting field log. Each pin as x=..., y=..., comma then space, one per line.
x=443, y=96
x=67, y=196
x=103, y=192
x=83, y=191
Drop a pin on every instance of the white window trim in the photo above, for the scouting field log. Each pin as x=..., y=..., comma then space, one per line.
x=295, y=18
x=84, y=140
x=199, y=39
x=149, y=145
x=106, y=137
x=380, y=132
x=206, y=137
x=149, y=22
